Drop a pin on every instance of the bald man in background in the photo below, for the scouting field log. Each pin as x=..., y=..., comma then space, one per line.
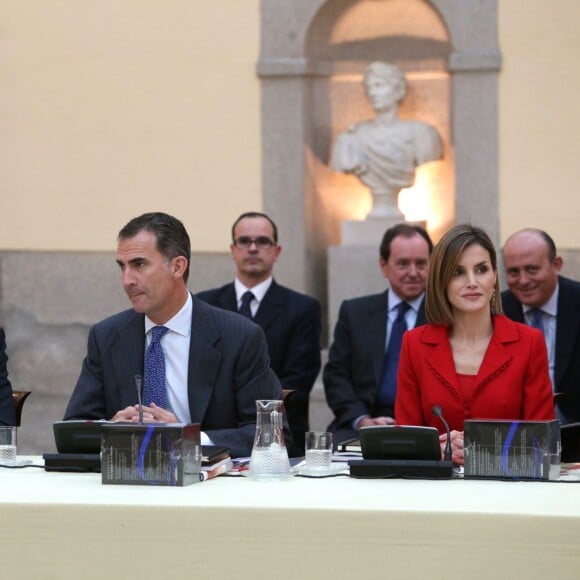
x=539, y=296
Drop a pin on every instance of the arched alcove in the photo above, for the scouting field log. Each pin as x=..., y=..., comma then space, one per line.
x=344, y=37
x=312, y=55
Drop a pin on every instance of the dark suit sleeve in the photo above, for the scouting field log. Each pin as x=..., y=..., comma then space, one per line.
x=253, y=379
x=302, y=362
x=341, y=393
x=7, y=416
x=88, y=398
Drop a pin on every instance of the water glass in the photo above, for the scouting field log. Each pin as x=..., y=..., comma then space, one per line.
x=7, y=445
x=318, y=450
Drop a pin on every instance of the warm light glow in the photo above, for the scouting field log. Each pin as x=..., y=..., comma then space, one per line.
x=361, y=204
x=425, y=201
x=414, y=201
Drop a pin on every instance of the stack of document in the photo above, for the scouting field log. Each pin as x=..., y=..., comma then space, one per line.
x=215, y=461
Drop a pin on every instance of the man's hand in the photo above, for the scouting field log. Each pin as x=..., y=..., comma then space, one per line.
x=456, y=446
x=159, y=415
x=369, y=421
x=126, y=414
x=151, y=414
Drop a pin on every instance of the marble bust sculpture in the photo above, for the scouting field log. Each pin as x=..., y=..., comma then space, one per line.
x=384, y=152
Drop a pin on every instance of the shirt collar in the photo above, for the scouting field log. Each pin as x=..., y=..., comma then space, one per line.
x=180, y=323
x=394, y=301
x=550, y=306
x=259, y=291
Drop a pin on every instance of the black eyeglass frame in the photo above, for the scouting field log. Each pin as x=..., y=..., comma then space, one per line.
x=261, y=242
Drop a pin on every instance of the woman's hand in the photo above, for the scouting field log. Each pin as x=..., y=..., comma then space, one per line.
x=456, y=446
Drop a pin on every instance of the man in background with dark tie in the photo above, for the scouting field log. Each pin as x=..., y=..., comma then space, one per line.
x=540, y=297
x=360, y=378
x=195, y=363
x=290, y=320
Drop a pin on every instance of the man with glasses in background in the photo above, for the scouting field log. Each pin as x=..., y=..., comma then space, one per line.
x=290, y=320
x=360, y=378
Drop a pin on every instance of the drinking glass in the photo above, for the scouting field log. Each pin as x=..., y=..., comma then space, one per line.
x=318, y=450
x=7, y=445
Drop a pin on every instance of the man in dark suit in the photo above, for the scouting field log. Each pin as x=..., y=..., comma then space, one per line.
x=539, y=296
x=290, y=320
x=215, y=364
x=7, y=416
x=356, y=377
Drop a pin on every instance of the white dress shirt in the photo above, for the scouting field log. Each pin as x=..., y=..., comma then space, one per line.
x=259, y=291
x=410, y=316
x=549, y=322
x=175, y=344
x=411, y=319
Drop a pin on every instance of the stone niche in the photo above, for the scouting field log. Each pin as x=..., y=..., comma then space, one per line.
x=410, y=35
x=311, y=64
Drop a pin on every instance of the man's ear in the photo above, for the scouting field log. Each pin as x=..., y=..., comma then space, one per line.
x=179, y=265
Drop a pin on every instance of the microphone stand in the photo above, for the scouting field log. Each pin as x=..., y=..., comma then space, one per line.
x=438, y=412
x=138, y=382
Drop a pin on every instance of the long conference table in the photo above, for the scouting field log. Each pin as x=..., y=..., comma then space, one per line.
x=69, y=525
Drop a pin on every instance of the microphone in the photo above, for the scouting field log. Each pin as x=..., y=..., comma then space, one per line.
x=138, y=380
x=438, y=412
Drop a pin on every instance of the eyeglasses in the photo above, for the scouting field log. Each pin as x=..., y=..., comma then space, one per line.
x=261, y=242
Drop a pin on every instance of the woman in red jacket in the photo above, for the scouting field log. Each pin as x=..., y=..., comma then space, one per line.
x=470, y=359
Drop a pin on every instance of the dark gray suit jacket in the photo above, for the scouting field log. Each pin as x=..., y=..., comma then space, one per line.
x=291, y=323
x=567, y=363
x=354, y=372
x=7, y=416
x=229, y=369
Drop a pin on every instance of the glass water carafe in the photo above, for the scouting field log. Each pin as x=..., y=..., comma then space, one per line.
x=269, y=460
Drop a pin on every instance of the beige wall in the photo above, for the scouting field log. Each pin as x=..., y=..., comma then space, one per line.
x=540, y=117
x=109, y=109
x=106, y=105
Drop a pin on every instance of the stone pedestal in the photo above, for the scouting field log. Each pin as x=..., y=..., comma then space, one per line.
x=365, y=233
x=353, y=267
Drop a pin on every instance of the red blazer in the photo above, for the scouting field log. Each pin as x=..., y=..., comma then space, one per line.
x=512, y=382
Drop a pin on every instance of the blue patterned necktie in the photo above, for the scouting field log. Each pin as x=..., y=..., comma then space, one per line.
x=245, y=309
x=154, y=388
x=389, y=385
x=536, y=316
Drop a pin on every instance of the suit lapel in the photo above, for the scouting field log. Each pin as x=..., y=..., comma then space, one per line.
x=270, y=307
x=440, y=358
x=227, y=298
x=128, y=356
x=497, y=358
x=495, y=361
x=567, y=324
x=421, y=316
x=204, y=361
x=375, y=327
